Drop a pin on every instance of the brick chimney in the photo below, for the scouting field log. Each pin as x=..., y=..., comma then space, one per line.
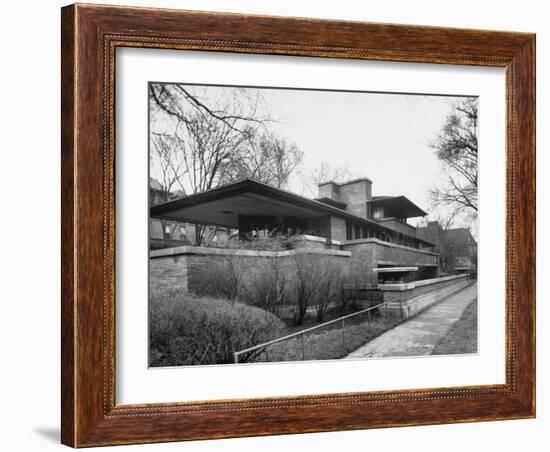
x=354, y=193
x=329, y=190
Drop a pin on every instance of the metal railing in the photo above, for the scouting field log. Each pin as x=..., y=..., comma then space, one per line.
x=302, y=333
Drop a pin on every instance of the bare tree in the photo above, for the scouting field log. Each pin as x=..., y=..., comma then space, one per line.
x=456, y=146
x=209, y=131
x=237, y=109
x=329, y=288
x=220, y=139
x=196, y=134
x=214, y=138
x=166, y=163
x=445, y=218
x=267, y=159
x=206, y=146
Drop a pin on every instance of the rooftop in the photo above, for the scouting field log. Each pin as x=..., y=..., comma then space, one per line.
x=397, y=206
x=352, y=181
x=221, y=206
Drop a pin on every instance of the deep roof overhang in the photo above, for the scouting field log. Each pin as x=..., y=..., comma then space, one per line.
x=398, y=207
x=221, y=206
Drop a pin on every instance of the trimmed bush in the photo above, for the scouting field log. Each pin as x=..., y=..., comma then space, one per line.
x=187, y=330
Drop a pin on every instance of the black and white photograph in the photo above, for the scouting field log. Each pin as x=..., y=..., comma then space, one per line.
x=268, y=226
x=292, y=224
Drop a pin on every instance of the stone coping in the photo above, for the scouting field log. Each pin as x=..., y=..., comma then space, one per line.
x=395, y=269
x=421, y=283
x=206, y=251
x=316, y=238
x=349, y=182
x=397, y=264
x=388, y=244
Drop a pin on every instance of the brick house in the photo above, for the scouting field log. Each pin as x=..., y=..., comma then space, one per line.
x=457, y=247
x=344, y=221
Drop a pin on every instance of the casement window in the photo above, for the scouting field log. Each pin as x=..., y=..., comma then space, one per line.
x=167, y=232
x=349, y=231
x=378, y=213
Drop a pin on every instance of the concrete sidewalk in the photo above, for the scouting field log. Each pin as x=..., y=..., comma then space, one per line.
x=420, y=335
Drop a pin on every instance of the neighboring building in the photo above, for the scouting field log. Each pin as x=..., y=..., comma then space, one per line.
x=345, y=217
x=167, y=233
x=457, y=247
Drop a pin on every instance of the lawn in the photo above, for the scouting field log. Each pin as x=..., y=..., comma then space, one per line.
x=190, y=330
x=462, y=337
x=328, y=342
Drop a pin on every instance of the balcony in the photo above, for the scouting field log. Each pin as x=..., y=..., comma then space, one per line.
x=398, y=225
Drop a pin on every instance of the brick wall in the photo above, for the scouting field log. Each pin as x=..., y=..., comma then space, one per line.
x=191, y=268
x=410, y=299
x=406, y=291
x=169, y=271
x=337, y=229
x=355, y=195
x=367, y=254
x=363, y=261
x=329, y=190
x=392, y=254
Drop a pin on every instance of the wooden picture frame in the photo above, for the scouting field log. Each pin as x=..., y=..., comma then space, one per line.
x=90, y=36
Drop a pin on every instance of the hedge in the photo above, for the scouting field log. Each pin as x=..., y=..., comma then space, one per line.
x=188, y=330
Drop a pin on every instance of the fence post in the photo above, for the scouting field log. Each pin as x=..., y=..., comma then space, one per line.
x=236, y=357
x=368, y=317
x=303, y=349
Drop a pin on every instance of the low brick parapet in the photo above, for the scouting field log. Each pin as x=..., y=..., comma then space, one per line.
x=207, y=251
x=188, y=268
x=408, y=299
x=389, y=245
x=429, y=283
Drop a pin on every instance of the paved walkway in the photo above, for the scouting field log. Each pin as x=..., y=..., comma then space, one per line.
x=420, y=335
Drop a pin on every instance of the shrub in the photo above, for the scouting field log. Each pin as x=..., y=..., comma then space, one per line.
x=349, y=288
x=226, y=277
x=307, y=279
x=186, y=330
x=267, y=289
x=329, y=289
x=318, y=282
x=275, y=242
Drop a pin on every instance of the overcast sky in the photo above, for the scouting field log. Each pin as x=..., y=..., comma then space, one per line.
x=381, y=136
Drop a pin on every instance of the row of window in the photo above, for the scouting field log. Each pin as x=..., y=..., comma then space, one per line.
x=356, y=231
x=175, y=232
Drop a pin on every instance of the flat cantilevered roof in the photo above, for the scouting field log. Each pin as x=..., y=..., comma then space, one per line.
x=221, y=206
x=398, y=206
